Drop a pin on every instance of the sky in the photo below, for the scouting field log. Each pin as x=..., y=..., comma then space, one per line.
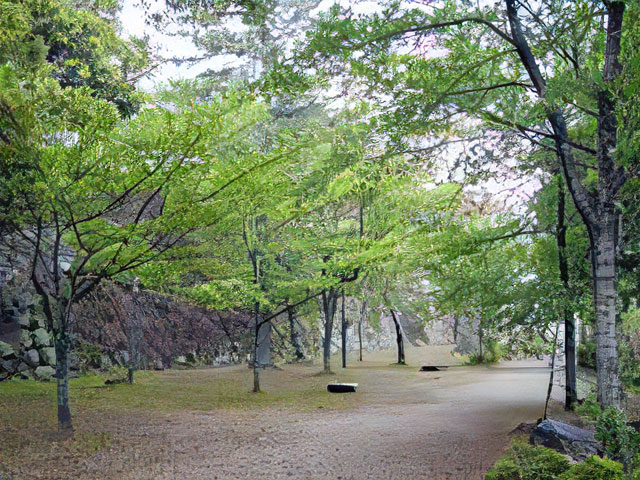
x=132, y=17
x=512, y=191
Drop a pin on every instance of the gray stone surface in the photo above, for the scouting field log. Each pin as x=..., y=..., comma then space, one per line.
x=6, y=350
x=25, y=338
x=578, y=443
x=23, y=320
x=48, y=355
x=41, y=337
x=32, y=358
x=45, y=372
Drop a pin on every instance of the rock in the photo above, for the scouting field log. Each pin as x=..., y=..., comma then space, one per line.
x=24, y=320
x=32, y=358
x=25, y=338
x=41, y=337
x=22, y=367
x=35, y=323
x=45, y=372
x=9, y=365
x=3, y=375
x=6, y=350
x=48, y=355
x=578, y=443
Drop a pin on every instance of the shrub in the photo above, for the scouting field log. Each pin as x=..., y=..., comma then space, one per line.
x=587, y=354
x=621, y=442
x=526, y=462
x=493, y=352
x=595, y=468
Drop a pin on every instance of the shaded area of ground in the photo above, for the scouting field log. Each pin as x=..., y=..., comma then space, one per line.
x=401, y=424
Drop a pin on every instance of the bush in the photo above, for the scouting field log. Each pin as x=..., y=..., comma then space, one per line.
x=527, y=462
x=587, y=354
x=595, y=468
x=493, y=352
x=620, y=441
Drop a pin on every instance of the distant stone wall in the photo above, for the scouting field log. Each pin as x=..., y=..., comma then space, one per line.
x=382, y=336
x=160, y=328
x=113, y=325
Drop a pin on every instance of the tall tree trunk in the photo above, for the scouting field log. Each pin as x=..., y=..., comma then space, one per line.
x=294, y=338
x=360, y=339
x=329, y=298
x=480, y=342
x=62, y=346
x=597, y=209
x=256, y=344
x=344, y=335
x=609, y=386
x=571, y=392
x=363, y=309
x=399, y=339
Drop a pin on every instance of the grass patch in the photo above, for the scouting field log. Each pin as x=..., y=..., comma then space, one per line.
x=168, y=391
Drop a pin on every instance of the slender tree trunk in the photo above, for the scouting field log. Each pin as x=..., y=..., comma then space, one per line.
x=329, y=306
x=62, y=346
x=360, y=340
x=344, y=335
x=256, y=371
x=363, y=310
x=480, y=341
x=294, y=338
x=399, y=339
x=571, y=393
x=553, y=369
x=609, y=386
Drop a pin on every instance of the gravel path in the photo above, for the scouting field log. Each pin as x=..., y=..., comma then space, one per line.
x=441, y=425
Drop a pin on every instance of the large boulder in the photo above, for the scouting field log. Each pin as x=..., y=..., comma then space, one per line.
x=578, y=443
x=45, y=372
x=24, y=320
x=6, y=350
x=41, y=337
x=32, y=358
x=25, y=338
x=48, y=355
x=9, y=365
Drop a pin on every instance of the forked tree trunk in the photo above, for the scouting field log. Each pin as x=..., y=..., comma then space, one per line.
x=609, y=386
x=62, y=348
x=597, y=209
x=399, y=339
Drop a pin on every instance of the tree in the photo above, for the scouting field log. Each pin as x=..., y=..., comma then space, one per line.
x=159, y=175
x=480, y=70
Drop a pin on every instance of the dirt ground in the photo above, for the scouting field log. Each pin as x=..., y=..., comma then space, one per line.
x=401, y=423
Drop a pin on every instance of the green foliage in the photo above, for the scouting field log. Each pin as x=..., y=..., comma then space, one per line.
x=587, y=354
x=629, y=348
x=526, y=462
x=75, y=44
x=493, y=351
x=621, y=442
x=595, y=468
